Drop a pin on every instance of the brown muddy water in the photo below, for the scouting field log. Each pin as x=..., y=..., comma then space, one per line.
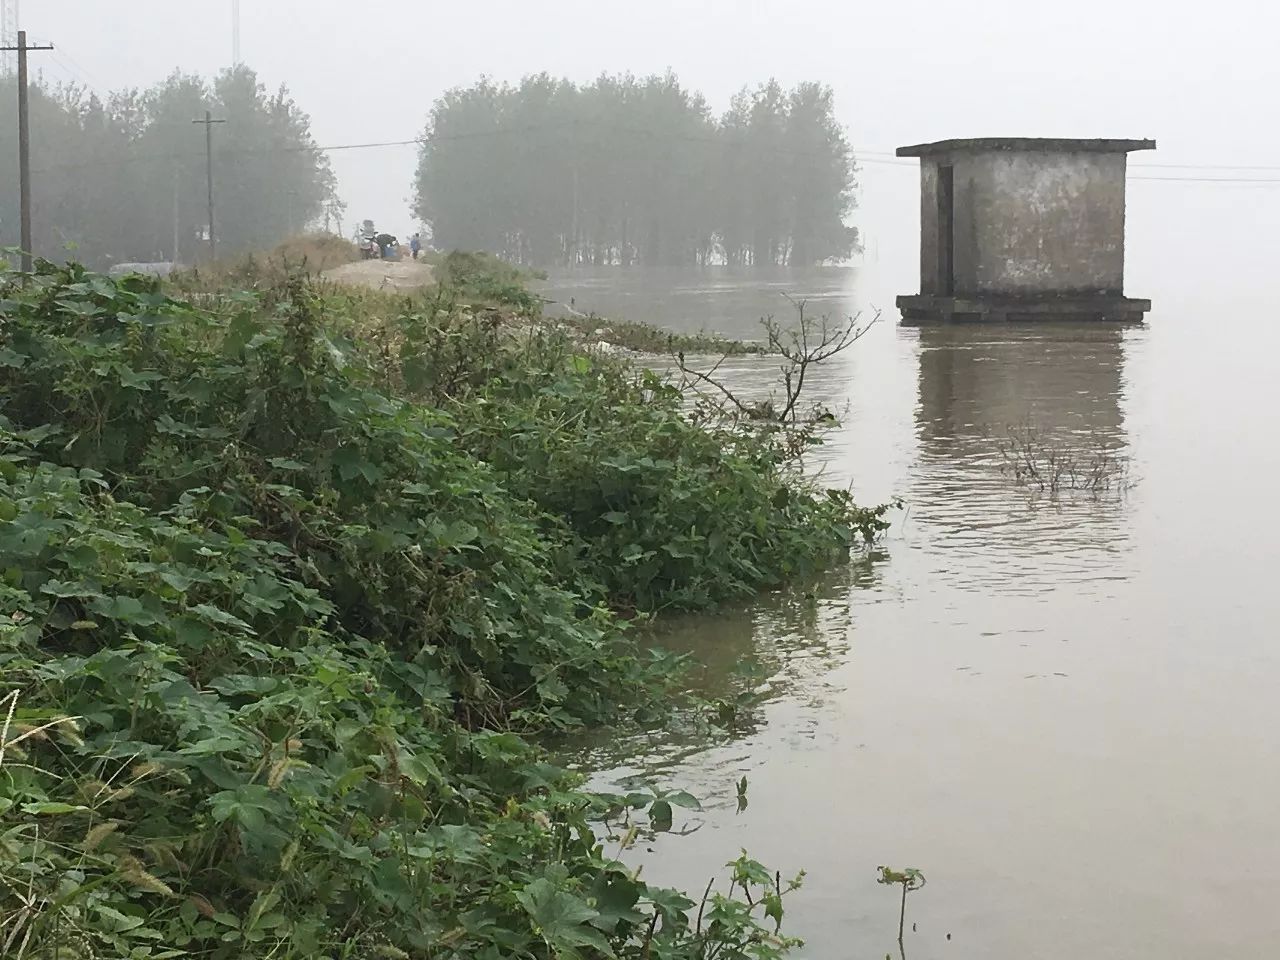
x=1065, y=711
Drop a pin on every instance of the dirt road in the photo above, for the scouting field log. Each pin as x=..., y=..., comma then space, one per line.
x=382, y=274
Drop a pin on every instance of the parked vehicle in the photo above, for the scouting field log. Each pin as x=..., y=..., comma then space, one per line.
x=367, y=240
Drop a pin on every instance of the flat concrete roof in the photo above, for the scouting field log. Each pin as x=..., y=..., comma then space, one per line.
x=1028, y=144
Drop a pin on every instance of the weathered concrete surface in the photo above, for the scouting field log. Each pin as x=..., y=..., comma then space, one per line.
x=930, y=267
x=1039, y=223
x=1028, y=220
x=1072, y=144
x=926, y=308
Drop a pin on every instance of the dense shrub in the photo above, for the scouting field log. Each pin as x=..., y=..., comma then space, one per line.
x=485, y=277
x=276, y=603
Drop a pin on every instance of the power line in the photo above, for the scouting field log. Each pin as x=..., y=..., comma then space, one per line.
x=8, y=8
x=1253, y=180
x=365, y=146
x=75, y=77
x=877, y=157
x=1203, y=166
x=69, y=63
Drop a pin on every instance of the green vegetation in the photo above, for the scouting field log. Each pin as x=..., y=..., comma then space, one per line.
x=628, y=170
x=911, y=880
x=283, y=595
x=488, y=280
x=111, y=174
x=643, y=338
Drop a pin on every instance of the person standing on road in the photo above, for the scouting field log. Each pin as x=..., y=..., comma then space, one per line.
x=415, y=244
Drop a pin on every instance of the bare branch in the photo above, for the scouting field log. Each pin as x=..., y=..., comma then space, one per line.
x=708, y=378
x=801, y=346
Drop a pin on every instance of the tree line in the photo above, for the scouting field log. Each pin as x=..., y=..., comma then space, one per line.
x=627, y=170
x=623, y=170
x=122, y=177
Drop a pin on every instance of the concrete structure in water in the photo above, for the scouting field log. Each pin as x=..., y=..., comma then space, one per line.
x=1022, y=228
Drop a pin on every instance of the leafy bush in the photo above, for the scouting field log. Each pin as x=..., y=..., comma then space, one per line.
x=667, y=513
x=487, y=278
x=276, y=605
x=663, y=510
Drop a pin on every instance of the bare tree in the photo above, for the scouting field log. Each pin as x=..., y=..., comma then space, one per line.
x=801, y=346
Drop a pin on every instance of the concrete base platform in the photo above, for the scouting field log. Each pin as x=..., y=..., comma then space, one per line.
x=926, y=308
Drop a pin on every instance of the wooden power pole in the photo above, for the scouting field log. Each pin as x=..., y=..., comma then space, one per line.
x=208, y=122
x=24, y=145
x=177, y=222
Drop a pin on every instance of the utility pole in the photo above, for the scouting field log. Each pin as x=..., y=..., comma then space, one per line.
x=573, y=258
x=208, y=122
x=24, y=145
x=177, y=223
x=574, y=226
x=235, y=34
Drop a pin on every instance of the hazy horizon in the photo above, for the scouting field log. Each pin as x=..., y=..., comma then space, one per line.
x=914, y=72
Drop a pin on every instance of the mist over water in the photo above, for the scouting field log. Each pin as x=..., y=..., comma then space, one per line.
x=1060, y=709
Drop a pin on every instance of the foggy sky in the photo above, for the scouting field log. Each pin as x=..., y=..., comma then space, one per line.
x=1201, y=79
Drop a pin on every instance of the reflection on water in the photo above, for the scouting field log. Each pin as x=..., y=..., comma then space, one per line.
x=1060, y=709
x=1064, y=378
x=977, y=386
x=765, y=665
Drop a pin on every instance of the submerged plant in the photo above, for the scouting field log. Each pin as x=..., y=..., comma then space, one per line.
x=1049, y=465
x=910, y=879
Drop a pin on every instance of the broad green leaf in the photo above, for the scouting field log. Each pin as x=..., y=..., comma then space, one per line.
x=682, y=798
x=10, y=359
x=660, y=815
x=560, y=917
x=615, y=898
x=115, y=921
x=124, y=609
x=773, y=910
x=670, y=902
x=214, y=615
x=351, y=778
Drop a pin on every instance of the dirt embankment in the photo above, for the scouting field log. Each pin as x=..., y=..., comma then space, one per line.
x=382, y=274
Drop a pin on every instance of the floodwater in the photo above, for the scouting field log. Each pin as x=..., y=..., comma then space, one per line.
x=1064, y=710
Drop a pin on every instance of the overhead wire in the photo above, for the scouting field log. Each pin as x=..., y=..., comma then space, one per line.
x=69, y=63
x=877, y=157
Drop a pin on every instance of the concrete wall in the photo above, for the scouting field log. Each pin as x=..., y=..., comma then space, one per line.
x=1028, y=223
x=930, y=282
